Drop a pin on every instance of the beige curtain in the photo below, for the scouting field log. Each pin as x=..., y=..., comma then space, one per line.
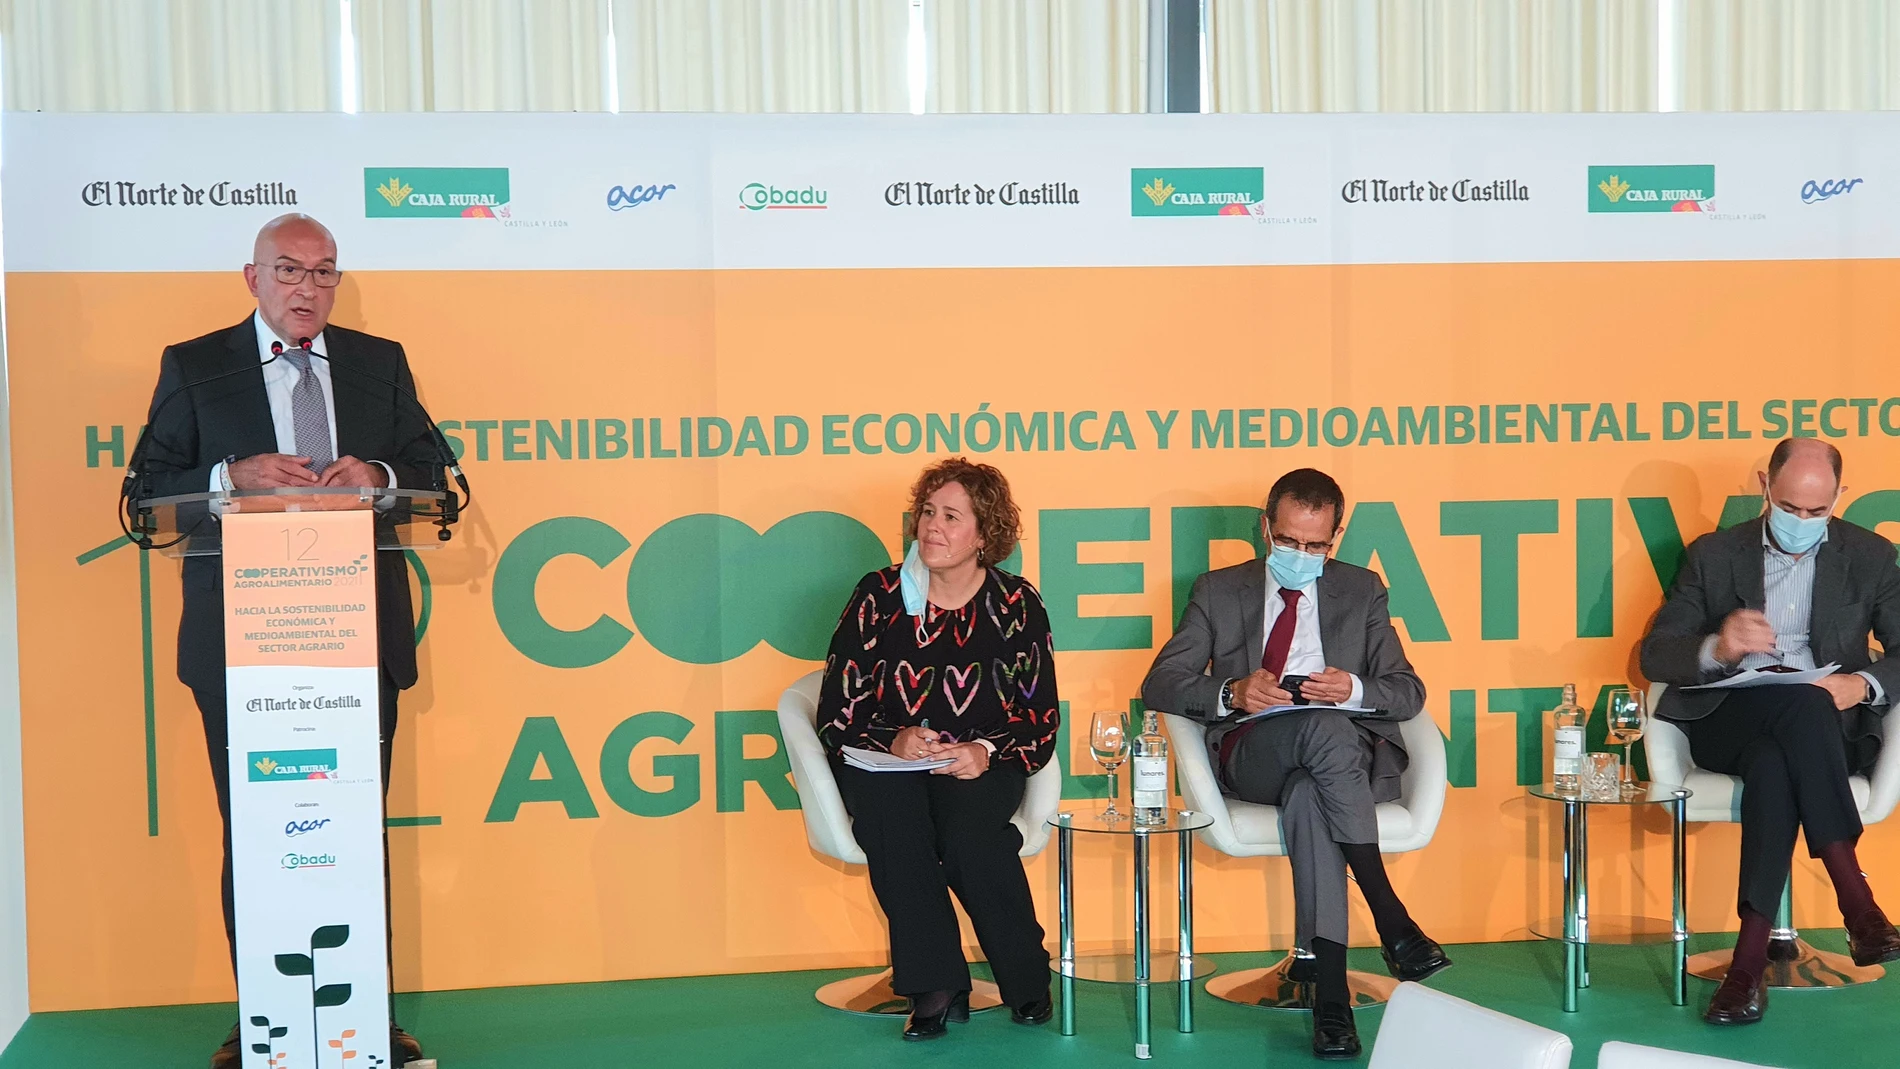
x=1035, y=55
x=762, y=55
x=1431, y=55
x=481, y=55
x=172, y=55
x=1789, y=55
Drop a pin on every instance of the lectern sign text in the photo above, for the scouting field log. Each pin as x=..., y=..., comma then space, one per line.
x=301, y=679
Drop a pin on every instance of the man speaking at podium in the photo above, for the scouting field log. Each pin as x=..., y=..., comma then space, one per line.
x=256, y=406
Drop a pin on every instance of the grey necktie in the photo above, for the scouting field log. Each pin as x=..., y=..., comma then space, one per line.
x=309, y=416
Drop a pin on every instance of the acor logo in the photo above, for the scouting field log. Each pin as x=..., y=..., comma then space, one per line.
x=1195, y=190
x=1681, y=188
x=620, y=198
x=276, y=766
x=435, y=192
x=1813, y=192
x=296, y=862
x=294, y=828
x=757, y=196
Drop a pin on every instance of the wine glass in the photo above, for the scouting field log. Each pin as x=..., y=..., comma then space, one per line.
x=1108, y=743
x=1625, y=726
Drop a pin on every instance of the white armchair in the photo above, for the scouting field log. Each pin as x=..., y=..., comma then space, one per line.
x=1426, y=1029
x=1792, y=963
x=1244, y=829
x=828, y=829
x=1631, y=1056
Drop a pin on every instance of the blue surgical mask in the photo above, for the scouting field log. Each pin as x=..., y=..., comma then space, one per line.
x=914, y=580
x=1293, y=569
x=1796, y=534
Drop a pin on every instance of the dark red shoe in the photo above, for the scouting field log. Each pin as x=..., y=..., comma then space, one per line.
x=1871, y=938
x=1741, y=999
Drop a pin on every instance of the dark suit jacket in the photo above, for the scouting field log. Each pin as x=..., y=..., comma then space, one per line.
x=1856, y=592
x=1222, y=633
x=231, y=418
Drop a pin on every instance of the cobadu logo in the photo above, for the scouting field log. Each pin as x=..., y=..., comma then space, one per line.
x=620, y=198
x=1195, y=190
x=294, y=862
x=759, y=197
x=295, y=828
x=435, y=192
x=1681, y=188
x=1813, y=192
x=279, y=766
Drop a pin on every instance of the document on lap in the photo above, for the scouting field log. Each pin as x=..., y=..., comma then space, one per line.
x=1357, y=711
x=879, y=761
x=1756, y=677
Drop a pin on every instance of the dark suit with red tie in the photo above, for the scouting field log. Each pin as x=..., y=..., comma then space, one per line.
x=1325, y=770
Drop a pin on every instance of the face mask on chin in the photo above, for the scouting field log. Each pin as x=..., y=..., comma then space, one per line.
x=1293, y=569
x=1796, y=534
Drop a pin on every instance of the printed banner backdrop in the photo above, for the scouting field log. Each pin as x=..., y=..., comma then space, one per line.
x=301, y=680
x=693, y=363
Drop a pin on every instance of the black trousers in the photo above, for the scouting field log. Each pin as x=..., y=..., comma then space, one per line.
x=1787, y=745
x=211, y=708
x=926, y=836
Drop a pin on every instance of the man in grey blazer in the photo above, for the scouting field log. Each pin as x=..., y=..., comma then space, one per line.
x=1251, y=636
x=1796, y=589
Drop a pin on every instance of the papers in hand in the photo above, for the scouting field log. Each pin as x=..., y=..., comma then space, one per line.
x=1755, y=677
x=1280, y=710
x=879, y=761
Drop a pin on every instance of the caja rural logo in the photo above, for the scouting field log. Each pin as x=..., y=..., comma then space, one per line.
x=277, y=766
x=435, y=192
x=1195, y=190
x=1678, y=188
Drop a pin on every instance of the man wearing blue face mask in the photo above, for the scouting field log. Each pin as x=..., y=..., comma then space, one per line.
x=1798, y=589
x=1251, y=636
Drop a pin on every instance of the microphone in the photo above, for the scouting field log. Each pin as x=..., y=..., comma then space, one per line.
x=445, y=454
x=134, y=526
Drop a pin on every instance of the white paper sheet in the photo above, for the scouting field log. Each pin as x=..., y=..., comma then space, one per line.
x=1280, y=710
x=1755, y=677
x=879, y=761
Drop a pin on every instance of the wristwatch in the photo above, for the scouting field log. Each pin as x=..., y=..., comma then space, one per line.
x=1227, y=695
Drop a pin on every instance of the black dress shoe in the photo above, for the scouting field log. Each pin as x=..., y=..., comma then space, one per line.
x=1335, y=1036
x=403, y=1047
x=923, y=1025
x=1414, y=956
x=1037, y=1012
x=231, y=1055
x=1871, y=938
x=1740, y=1000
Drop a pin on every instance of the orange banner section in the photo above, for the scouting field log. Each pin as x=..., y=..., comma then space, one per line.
x=300, y=589
x=589, y=764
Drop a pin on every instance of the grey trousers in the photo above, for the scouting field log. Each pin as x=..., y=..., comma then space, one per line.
x=1315, y=766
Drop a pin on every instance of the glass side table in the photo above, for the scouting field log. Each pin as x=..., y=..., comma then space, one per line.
x=1575, y=930
x=1181, y=824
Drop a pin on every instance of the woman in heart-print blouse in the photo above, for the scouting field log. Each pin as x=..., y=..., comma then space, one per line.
x=971, y=680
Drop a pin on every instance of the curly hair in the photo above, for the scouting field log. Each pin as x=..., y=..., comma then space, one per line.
x=997, y=518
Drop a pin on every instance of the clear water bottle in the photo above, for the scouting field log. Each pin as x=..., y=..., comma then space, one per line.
x=1566, y=751
x=1151, y=773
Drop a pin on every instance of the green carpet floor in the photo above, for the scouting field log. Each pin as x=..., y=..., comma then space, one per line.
x=772, y=1020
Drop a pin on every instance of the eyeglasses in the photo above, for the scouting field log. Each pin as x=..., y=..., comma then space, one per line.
x=1318, y=549
x=291, y=274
